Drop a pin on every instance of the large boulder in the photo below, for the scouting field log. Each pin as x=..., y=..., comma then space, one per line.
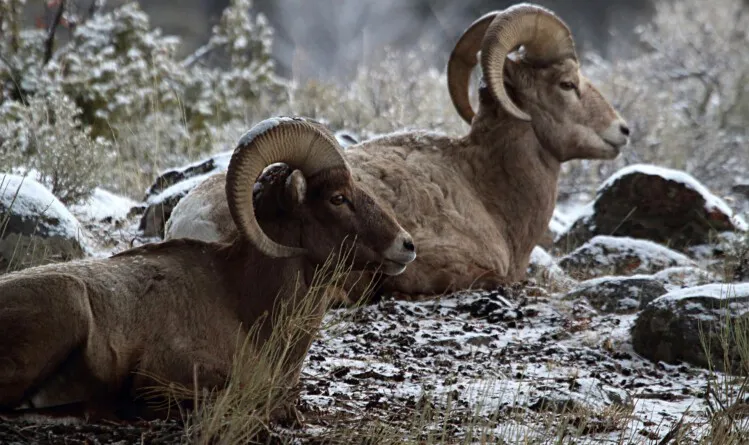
x=700, y=325
x=659, y=204
x=618, y=255
x=174, y=184
x=35, y=227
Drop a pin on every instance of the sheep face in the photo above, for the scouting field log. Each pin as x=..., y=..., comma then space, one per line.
x=532, y=75
x=569, y=115
x=338, y=216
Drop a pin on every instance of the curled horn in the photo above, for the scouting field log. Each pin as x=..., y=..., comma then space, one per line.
x=299, y=143
x=461, y=62
x=543, y=35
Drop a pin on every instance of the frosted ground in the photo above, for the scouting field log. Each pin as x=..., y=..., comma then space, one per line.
x=514, y=363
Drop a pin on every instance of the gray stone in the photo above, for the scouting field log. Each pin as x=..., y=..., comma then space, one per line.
x=683, y=324
x=35, y=227
x=621, y=256
x=619, y=295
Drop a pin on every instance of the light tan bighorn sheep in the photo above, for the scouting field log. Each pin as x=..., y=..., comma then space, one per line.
x=476, y=205
x=90, y=331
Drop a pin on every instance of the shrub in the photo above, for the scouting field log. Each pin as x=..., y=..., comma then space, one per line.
x=46, y=138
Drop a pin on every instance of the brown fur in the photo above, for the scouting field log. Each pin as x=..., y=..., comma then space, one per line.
x=77, y=332
x=478, y=205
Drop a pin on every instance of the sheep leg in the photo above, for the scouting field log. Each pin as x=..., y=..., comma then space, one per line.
x=171, y=370
x=43, y=319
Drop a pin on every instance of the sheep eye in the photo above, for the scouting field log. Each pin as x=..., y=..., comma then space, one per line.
x=567, y=86
x=337, y=200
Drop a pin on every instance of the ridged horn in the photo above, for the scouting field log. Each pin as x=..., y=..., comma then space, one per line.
x=299, y=143
x=544, y=36
x=462, y=61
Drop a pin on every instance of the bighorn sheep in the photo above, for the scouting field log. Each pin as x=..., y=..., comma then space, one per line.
x=87, y=332
x=476, y=205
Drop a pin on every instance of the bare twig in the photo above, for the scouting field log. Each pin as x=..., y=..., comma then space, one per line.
x=49, y=42
x=203, y=51
x=95, y=7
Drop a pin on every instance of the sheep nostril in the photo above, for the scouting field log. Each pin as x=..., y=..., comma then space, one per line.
x=624, y=129
x=409, y=245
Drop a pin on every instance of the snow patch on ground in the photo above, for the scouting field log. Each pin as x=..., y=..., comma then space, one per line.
x=103, y=204
x=396, y=353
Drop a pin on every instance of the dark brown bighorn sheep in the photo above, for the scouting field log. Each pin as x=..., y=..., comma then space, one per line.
x=477, y=205
x=87, y=332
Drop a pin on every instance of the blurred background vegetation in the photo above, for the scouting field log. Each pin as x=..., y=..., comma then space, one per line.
x=153, y=84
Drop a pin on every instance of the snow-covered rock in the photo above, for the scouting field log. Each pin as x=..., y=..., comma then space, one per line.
x=619, y=255
x=543, y=268
x=655, y=203
x=35, y=227
x=682, y=324
x=684, y=276
x=619, y=295
x=172, y=185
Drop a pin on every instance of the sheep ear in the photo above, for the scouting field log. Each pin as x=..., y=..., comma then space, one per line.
x=513, y=72
x=296, y=188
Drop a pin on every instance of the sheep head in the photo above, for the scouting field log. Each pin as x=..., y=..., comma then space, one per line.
x=334, y=213
x=531, y=70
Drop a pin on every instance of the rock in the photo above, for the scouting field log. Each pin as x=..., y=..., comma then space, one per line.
x=741, y=189
x=619, y=295
x=616, y=255
x=35, y=227
x=171, y=186
x=544, y=269
x=684, y=276
x=671, y=327
x=654, y=203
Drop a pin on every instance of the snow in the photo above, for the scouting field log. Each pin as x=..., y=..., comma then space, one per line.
x=104, y=204
x=183, y=186
x=718, y=291
x=684, y=276
x=445, y=358
x=566, y=214
x=260, y=128
x=712, y=202
x=645, y=250
x=220, y=160
x=28, y=198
